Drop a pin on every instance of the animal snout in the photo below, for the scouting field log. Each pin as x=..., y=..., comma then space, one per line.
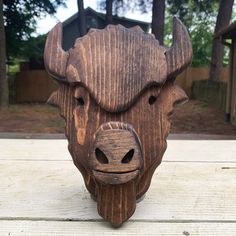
x=102, y=158
x=116, y=155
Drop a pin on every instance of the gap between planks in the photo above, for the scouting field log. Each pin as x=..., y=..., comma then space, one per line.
x=163, y=161
x=101, y=228
x=179, y=191
x=101, y=220
x=177, y=151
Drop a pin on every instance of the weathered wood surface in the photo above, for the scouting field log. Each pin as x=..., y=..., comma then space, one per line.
x=56, y=228
x=187, y=197
x=116, y=94
x=187, y=150
x=116, y=64
x=179, y=191
x=148, y=127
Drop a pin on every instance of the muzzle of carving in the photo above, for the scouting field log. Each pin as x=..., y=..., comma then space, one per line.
x=116, y=156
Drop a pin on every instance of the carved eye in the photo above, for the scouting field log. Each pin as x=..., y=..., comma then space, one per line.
x=80, y=101
x=152, y=99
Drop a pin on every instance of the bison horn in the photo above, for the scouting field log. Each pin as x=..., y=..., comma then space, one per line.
x=179, y=56
x=55, y=58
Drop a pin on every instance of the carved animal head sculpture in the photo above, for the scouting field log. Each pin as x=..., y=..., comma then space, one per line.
x=116, y=93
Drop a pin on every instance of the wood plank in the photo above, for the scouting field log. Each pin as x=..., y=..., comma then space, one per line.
x=34, y=149
x=177, y=150
x=21, y=135
x=179, y=191
x=45, y=228
x=233, y=87
x=201, y=151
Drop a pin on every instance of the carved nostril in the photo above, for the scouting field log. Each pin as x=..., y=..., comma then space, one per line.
x=101, y=157
x=128, y=156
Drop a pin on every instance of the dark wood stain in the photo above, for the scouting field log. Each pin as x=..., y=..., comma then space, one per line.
x=116, y=93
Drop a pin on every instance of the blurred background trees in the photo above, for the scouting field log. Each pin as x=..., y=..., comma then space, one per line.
x=199, y=16
x=82, y=19
x=3, y=73
x=18, y=18
x=217, y=55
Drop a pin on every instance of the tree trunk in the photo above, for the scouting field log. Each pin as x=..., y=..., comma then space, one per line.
x=158, y=19
x=3, y=74
x=82, y=18
x=223, y=19
x=109, y=12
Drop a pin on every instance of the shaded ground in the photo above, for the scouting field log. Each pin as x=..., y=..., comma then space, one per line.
x=197, y=117
x=31, y=119
x=192, y=117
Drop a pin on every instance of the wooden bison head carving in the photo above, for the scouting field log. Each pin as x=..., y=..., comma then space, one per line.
x=116, y=92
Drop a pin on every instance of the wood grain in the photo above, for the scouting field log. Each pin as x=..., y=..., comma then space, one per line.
x=180, y=192
x=177, y=151
x=152, y=128
x=40, y=149
x=201, y=151
x=180, y=54
x=55, y=57
x=117, y=64
x=41, y=197
x=55, y=228
x=109, y=65
x=116, y=94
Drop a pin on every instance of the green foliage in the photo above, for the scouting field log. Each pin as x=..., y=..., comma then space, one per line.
x=20, y=21
x=199, y=17
x=35, y=43
x=190, y=11
x=14, y=67
x=201, y=36
x=201, y=33
x=119, y=6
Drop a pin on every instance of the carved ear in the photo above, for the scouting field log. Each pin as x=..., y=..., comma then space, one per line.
x=54, y=99
x=178, y=95
x=171, y=95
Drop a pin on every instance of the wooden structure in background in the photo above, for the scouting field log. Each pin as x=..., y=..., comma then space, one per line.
x=34, y=86
x=214, y=93
x=116, y=93
x=96, y=20
x=228, y=36
x=25, y=83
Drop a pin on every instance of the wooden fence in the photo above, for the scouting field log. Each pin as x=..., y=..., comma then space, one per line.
x=212, y=92
x=36, y=86
x=192, y=74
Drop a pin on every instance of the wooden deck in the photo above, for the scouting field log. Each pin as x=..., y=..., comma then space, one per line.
x=193, y=192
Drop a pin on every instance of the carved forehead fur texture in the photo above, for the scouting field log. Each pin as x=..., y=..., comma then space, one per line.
x=116, y=64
